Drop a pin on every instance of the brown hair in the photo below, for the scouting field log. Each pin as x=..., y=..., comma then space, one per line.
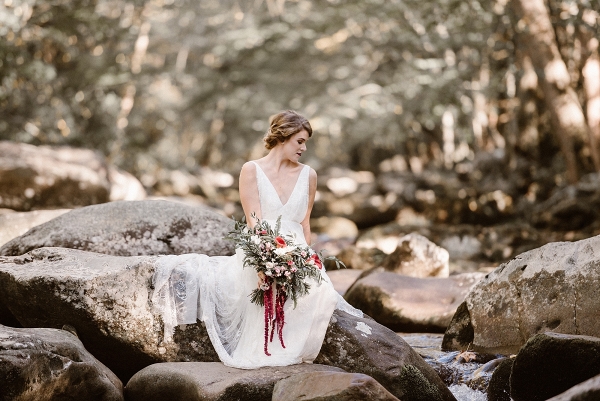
x=283, y=125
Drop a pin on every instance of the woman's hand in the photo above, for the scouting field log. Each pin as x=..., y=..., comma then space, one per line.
x=261, y=279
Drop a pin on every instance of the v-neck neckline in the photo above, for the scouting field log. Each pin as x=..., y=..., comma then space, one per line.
x=273, y=186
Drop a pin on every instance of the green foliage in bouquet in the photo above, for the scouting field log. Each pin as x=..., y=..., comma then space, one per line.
x=285, y=264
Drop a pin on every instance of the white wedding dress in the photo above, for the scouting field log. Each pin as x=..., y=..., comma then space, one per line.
x=216, y=291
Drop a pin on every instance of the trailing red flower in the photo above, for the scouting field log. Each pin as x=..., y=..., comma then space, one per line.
x=274, y=315
x=280, y=315
x=268, y=302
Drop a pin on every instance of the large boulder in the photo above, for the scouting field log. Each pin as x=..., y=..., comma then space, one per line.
x=330, y=386
x=50, y=364
x=34, y=177
x=361, y=345
x=14, y=224
x=589, y=390
x=551, y=363
x=411, y=304
x=106, y=301
x=210, y=381
x=131, y=228
x=416, y=256
x=499, y=386
x=552, y=288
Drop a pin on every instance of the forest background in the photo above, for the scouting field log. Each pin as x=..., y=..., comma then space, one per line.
x=492, y=105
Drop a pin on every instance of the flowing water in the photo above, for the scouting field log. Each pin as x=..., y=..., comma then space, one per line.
x=466, y=374
x=462, y=392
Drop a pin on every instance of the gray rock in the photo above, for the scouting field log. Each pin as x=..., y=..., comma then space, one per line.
x=14, y=224
x=551, y=363
x=552, y=288
x=411, y=304
x=131, y=228
x=191, y=381
x=499, y=387
x=459, y=334
x=416, y=256
x=105, y=299
x=34, y=177
x=330, y=386
x=50, y=364
x=362, y=345
x=589, y=390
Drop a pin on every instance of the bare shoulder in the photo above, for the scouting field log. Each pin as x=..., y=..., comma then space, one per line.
x=312, y=174
x=248, y=174
x=312, y=178
x=248, y=168
x=251, y=164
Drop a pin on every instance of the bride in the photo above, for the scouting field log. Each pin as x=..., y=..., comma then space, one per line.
x=216, y=289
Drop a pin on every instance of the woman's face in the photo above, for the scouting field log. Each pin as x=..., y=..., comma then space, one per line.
x=295, y=145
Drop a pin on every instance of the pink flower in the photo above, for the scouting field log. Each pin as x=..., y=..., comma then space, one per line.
x=280, y=242
x=290, y=263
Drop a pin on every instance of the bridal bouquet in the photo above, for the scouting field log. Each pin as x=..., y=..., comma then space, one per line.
x=285, y=265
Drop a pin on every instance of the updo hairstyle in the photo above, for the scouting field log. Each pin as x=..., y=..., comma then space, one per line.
x=283, y=125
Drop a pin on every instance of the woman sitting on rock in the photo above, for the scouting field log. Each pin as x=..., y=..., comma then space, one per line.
x=215, y=289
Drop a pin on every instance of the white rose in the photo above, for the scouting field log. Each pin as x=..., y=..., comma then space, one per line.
x=284, y=250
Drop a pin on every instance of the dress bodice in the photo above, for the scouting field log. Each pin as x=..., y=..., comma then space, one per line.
x=293, y=211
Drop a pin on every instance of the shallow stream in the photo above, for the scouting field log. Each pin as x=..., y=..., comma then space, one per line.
x=466, y=374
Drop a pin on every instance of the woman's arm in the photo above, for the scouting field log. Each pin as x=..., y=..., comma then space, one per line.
x=249, y=193
x=312, y=190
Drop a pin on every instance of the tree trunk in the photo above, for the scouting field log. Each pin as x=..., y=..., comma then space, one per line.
x=591, y=84
x=591, y=81
x=535, y=37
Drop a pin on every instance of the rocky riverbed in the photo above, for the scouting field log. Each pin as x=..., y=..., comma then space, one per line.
x=494, y=312
x=62, y=276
